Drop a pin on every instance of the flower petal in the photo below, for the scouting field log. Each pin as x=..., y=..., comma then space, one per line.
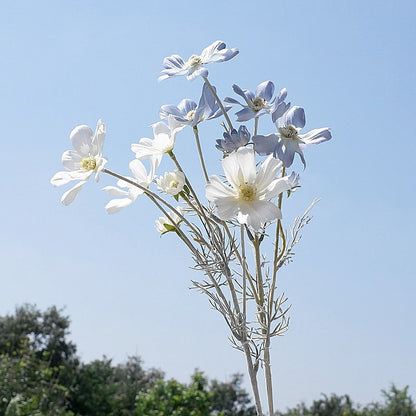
x=116, y=205
x=69, y=196
x=81, y=139
x=265, y=90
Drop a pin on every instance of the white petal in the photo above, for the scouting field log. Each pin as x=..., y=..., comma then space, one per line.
x=115, y=191
x=81, y=139
x=138, y=170
x=69, y=196
x=116, y=205
x=71, y=160
x=240, y=167
x=256, y=213
x=216, y=189
x=99, y=138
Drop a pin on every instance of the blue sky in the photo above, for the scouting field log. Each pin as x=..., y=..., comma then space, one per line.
x=350, y=64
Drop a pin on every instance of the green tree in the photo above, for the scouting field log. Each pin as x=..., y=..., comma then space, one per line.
x=175, y=399
x=396, y=403
x=327, y=406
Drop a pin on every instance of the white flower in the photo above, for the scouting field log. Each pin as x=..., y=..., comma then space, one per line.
x=163, y=142
x=164, y=224
x=171, y=183
x=174, y=65
x=249, y=193
x=82, y=162
x=141, y=177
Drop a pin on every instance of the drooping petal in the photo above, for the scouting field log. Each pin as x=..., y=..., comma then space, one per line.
x=245, y=114
x=265, y=145
x=69, y=196
x=115, y=191
x=116, y=205
x=286, y=149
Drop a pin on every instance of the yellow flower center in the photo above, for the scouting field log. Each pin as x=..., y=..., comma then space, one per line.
x=247, y=192
x=289, y=132
x=194, y=60
x=258, y=104
x=190, y=115
x=173, y=184
x=88, y=163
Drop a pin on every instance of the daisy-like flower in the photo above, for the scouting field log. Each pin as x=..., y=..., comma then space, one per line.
x=163, y=142
x=249, y=191
x=171, y=183
x=140, y=176
x=164, y=224
x=81, y=163
x=258, y=103
x=174, y=65
x=233, y=140
x=288, y=140
x=190, y=114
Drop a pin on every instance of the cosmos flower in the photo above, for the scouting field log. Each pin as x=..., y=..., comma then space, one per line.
x=258, y=103
x=164, y=224
x=190, y=114
x=174, y=65
x=82, y=162
x=249, y=192
x=288, y=140
x=140, y=176
x=171, y=183
x=232, y=141
x=163, y=142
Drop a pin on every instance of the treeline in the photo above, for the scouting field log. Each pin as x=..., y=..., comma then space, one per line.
x=41, y=375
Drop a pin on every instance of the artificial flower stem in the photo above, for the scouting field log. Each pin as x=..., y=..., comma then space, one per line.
x=256, y=125
x=148, y=192
x=201, y=156
x=201, y=212
x=279, y=231
x=214, y=93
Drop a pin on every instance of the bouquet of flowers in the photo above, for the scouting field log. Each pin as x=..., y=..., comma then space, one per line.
x=231, y=216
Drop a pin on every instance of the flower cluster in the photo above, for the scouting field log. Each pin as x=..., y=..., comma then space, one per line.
x=232, y=210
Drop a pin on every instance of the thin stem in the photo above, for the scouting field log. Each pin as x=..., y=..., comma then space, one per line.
x=253, y=379
x=256, y=125
x=151, y=194
x=243, y=257
x=201, y=156
x=219, y=102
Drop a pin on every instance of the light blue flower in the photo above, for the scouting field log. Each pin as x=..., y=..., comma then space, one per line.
x=232, y=141
x=288, y=141
x=258, y=103
x=187, y=113
x=174, y=65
